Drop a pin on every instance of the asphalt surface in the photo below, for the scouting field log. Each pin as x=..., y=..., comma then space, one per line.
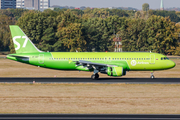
x=88, y=80
x=88, y=116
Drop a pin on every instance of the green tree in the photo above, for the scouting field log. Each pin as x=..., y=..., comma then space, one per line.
x=162, y=35
x=71, y=37
x=5, y=39
x=145, y=7
x=40, y=27
x=171, y=14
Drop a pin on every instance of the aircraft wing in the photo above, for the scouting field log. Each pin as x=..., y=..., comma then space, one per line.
x=92, y=64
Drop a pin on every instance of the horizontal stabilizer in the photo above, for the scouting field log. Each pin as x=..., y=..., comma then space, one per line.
x=24, y=58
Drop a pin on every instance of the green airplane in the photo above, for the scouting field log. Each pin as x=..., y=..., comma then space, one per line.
x=110, y=63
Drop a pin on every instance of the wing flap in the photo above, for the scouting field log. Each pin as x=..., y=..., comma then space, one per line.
x=88, y=63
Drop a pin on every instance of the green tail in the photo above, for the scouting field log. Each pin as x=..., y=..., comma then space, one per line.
x=21, y=42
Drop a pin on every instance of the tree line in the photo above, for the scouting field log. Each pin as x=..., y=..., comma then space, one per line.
x=92, y=30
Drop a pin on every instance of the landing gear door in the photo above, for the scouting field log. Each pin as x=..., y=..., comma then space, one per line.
x=152, y=59
x=41, y=58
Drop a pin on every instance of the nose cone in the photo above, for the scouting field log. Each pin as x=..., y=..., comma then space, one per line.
x=172, y=64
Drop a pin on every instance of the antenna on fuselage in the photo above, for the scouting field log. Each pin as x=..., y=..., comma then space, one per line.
x=76, y=51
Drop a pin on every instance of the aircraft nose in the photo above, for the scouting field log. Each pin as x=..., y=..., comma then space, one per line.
x=172, y=64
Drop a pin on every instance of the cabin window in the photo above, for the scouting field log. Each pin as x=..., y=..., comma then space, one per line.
x=134, y=58
x=137, y=58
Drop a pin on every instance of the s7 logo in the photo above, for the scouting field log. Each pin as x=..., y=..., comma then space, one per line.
x=18, y=44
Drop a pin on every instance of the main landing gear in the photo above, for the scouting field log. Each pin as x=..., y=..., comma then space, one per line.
x=152, y=75
x=95, y=76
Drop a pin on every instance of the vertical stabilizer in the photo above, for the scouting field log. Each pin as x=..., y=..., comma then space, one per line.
x=22, y=43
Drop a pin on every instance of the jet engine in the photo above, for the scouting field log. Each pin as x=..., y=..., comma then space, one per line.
x=115, y=71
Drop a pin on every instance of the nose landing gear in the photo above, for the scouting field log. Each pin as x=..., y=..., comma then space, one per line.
x=152, y=75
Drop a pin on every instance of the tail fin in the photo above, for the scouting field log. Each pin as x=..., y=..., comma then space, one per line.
x=21, y=42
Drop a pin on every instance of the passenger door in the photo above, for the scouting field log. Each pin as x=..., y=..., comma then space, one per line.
x=152, y=59
x=41, y=58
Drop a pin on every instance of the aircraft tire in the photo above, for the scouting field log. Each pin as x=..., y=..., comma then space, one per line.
x=152, y=77
x=95, y=76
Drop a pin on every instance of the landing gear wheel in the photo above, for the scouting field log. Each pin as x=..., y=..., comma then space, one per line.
x=152, y=77
x=95, y=76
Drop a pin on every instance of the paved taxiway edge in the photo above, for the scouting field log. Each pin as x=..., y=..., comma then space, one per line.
x=88, y=116
x=88, y=80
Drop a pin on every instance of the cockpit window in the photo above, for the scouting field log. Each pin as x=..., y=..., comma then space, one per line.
x=164, y=58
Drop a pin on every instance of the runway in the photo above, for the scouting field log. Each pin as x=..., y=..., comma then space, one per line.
x=88, y=80
x=89, y=116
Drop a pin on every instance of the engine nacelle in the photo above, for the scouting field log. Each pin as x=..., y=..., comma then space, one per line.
x=115, y=71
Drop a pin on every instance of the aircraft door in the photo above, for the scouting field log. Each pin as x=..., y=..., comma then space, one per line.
x=152, y=59
x=41, y=58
